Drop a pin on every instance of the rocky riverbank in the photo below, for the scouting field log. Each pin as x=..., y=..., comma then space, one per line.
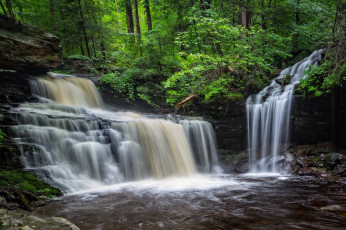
x=24, y=220
x=320, y=160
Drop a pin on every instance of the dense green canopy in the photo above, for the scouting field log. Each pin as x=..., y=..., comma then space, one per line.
x=170, y=50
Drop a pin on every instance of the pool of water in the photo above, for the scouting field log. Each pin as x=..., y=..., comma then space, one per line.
x=208, y=202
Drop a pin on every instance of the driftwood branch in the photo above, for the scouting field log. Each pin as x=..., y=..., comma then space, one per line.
x=185, y=100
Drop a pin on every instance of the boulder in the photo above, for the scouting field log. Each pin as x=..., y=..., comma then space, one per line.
x=27, y=49
x=332, y=159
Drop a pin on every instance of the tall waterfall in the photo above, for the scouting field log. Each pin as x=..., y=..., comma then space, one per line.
x=75, y=146
x=268, y=116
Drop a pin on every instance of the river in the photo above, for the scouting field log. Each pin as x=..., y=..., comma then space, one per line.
x=208, y=202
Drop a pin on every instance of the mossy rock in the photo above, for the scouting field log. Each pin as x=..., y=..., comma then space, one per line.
x=26, y=182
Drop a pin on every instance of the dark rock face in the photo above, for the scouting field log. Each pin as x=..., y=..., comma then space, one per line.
x=313, y=121
x=27, y=49
x=229, y=121
x=320, y=119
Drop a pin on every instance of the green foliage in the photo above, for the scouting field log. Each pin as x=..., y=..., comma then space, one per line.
x=331, y=73
x=195, y=48
x=322, y=79
x=27, y=182
x=2, y=134
x=2, y=138
x=78, y=57
x=62, y=71
x=246, y=62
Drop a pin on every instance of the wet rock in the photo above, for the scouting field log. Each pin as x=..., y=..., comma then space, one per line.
x=64, y=223
x=80, y=67
x=2, y=199
x=324, y=150
x=341, y=169
x=10, y=206
x=38, y=203
x=301, y=161
x=235, y=163
x=27, y=49
x=307, y=172
x=289, y=157
x=332, y=159
x=332, y=207
x=24, y=220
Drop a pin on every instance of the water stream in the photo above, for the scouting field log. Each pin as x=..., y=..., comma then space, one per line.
x=268, y=116
x=69, y=140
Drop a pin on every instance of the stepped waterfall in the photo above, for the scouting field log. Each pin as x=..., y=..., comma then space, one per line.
x=268, y=116
x=69, y=140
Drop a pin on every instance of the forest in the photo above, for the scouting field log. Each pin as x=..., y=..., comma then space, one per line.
x=172, y=114
x=170, y=51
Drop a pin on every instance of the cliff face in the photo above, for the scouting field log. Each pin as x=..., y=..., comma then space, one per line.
x=315, y=122
x=27, y=49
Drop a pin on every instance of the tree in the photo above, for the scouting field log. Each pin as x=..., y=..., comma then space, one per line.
x=147, y=10
x=3, y=8
x=138, y=27
x=9, y=8
x=82, y=23
x=129, y=20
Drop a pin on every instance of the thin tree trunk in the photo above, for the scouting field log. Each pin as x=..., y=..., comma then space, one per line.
x=52, y=15
x=3, y=8
x=218, y=48
x=138, y=27
x=338, y=6
x=81, y=45
x=103, y=50
x=295, y=39
x=147, y=10
x=129, y=20
x=99, y=21
x=264, y=26
x=243, y=16
x=198, y=42
x=9, y=8
x=83, y=28
x=93, y=43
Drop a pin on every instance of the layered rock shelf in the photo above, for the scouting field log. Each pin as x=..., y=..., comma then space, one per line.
x=27, y=49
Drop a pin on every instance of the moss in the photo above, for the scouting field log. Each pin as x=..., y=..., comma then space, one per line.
x=26, y=182
x=229, y=157
x=315, y=159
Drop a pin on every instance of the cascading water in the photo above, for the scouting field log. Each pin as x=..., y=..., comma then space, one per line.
x=268, y=116
x=71, y=141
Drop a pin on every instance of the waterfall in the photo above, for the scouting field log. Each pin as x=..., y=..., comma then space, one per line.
x=68, y=139
x=268, y=116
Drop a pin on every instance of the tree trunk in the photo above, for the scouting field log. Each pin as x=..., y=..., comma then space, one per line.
x=52, y=15
x=83, y=28
x=147, y=10
x=197, y=37
x=218, y=48
x=103, y=50
x=138, y=27
x=338, y=7
x=295, y=39
x=81, y=45
x=3, y=8
x=243, y=16
x=264, y=25
x=93, y=45
x=9, y=8
x=129, y=20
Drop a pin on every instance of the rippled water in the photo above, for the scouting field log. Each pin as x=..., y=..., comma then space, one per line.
x=208, y=202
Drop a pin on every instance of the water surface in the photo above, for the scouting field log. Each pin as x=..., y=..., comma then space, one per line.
x=208, y=202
